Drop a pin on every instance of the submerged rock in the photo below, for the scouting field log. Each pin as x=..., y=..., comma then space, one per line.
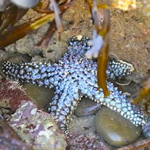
x=85, y=142
x=37, y=128
x=87, y=107
x=9, y=140
x=115, y=129
x=11, y=95
x=40, y=95
x=146, y=129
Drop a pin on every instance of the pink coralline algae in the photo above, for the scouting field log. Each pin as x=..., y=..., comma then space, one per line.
x=37, y=128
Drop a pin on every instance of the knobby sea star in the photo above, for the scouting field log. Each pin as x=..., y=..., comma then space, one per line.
x=74, y=76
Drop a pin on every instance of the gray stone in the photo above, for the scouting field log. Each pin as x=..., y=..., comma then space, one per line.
x=40, y=95
x=146, y=129
x=87, y=107
x=115, y=129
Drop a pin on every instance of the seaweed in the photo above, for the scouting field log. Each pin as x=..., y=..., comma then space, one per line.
x=11, y=31
x=100, y=40
x=143, y=94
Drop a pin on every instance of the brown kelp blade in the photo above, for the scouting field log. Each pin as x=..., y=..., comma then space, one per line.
x=9, y=17
x=103, y=55
x=145, y=91
x=49, y=34
x=102, y=30
x=20, y=31
x=101, y=68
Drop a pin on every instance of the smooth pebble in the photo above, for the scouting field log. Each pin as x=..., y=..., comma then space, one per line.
x=87, y=107
x=41, y=96
x=115, y=129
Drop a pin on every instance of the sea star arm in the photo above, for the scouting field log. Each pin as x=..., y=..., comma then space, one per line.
x=64, y=102
x=118, y=69
x=41, y=74
x=115, y=101
x=115, y=69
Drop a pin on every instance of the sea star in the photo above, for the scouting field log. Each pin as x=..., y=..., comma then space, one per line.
x=74, y=76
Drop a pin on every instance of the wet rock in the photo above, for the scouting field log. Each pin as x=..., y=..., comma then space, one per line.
x=82, y=125
x=17, y=58
x=114, y=128
x=146, y=132
x=146, y=129
x=82, y=135
x=142, y=144
x=13, y=57
x=40, y=95
x=3, y=55
x=37, y=128
x=86, y=107
x=11, y=94
x=85, y=142
x=9, y=139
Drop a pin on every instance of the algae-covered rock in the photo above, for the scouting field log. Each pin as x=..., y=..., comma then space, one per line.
x=37, y=128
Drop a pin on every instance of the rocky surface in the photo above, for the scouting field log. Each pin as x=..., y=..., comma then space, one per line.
x=82, y=125
x=37, y=128
x=40, y=95
x=115, y=129
x=9, y=139
x=11, y=94
x=86, y=107
x=85, y=142
x=129, y=40
x=146, y=129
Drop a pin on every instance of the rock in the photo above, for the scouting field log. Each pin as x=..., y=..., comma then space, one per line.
x=85, y=142
x=9, y=139
x=115, y=129
x=37, y=128
x=86, y=107
x=82, y=125
x=40, y=95
x=141, y=144
x=146, y=129
x=11, y=95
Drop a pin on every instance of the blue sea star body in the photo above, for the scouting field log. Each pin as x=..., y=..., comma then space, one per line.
x=75, y=76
